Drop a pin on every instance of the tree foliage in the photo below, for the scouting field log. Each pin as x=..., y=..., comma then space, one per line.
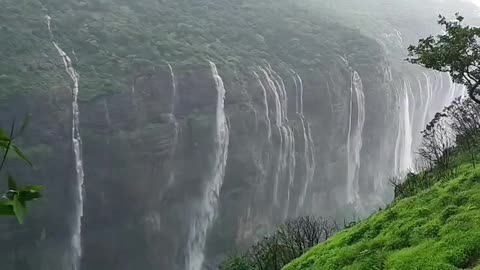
x=116, y=40
x=456, y=51
x=15, y=199
x=289, y=241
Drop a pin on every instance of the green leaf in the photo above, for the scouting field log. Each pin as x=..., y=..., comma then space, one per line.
x=21, y=154
x=6, y=208
x=11, y=183
x=32, y=188
x=29, y=195
x=19, y=210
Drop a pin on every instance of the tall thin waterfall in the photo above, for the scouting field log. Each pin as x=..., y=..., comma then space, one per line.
x=107, y=112
x=173, y=119
x=285, y=168
x=290, y=159
x=266, y=107
x=406, y=152
x=207, y=207
x=278, y=125
x=428, y=100
x=354, y=139
x=309, y=146
x=77, y=150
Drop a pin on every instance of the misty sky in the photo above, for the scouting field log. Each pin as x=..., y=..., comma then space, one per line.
x=476, y=2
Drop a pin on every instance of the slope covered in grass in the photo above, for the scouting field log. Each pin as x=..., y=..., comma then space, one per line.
x=438, y=228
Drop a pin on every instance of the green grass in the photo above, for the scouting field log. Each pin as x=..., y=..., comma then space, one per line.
x=438, y=228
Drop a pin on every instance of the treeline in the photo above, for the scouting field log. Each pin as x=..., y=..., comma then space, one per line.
x=288, y=242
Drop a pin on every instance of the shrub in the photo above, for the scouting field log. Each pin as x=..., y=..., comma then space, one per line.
x=289, y=241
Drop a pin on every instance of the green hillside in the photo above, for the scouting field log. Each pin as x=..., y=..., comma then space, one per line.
x=114, y=40
x=438, y=228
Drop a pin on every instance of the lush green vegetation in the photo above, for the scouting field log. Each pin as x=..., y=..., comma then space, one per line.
x=113, y=41
x=457, y=52
x=435, y=229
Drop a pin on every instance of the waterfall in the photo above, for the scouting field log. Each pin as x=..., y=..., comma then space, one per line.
x=266, y=107
x=399, y=35
x=207, y=207
x=436, y=91
x=406, y=156
x=428, y=102
x=107, y=112
x=77, y=150
x=354, y=139
x=309, y=146
x=171, y=177
x=49, y=25
x=278, y=124
x=286, y=157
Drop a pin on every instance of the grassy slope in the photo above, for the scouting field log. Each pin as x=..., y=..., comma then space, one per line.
x=438, y=228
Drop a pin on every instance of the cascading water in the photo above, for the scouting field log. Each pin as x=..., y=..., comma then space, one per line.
x=107, y=112
x=354, y=139
x=406, y=161
x=266, y=108
x=290, y=158
x=309, y=146
x=77, y=149
x=207, y=208
x=173, y=119
x=278, y=124
x=414, y=114
x=286, y=157
x=428, y=100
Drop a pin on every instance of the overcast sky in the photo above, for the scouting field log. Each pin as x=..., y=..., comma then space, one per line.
x=476, y=2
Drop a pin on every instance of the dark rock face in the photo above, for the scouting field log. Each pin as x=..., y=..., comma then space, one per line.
x=131, y=209
x=131, y=164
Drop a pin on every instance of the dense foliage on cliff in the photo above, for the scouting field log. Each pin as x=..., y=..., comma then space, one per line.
x=435, y=221
x=456, y=51
x=114, y=40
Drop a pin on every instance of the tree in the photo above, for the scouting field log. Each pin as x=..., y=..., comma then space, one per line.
x=15, y=198
x=289, y=241
x=456, y=51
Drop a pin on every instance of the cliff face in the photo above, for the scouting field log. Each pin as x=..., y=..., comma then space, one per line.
x=145, y=166
x=318, y=118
